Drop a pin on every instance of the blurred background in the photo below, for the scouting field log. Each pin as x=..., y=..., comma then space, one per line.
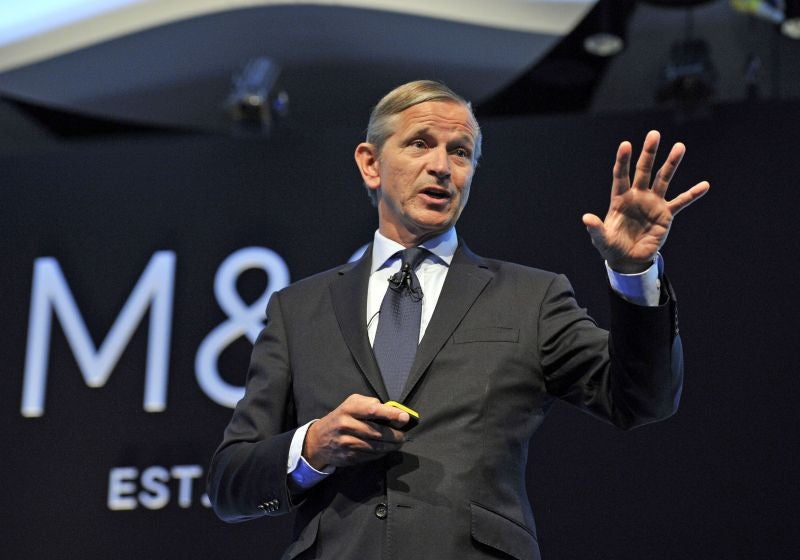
x=166, y=165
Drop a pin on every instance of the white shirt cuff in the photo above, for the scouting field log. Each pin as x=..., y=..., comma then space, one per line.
x=303, y=475
x=643, y=288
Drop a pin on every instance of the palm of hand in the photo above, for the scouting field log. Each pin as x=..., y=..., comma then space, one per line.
x=639, y=217
x=635, y=228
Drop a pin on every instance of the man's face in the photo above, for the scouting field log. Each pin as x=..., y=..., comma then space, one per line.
x=423, y=173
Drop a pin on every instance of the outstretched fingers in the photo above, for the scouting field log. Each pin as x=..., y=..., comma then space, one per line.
x=667, y=171
x=688, y=197
x=644, y=165
x=621, y=180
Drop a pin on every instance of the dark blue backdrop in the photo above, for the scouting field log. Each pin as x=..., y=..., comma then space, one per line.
x=715, y=481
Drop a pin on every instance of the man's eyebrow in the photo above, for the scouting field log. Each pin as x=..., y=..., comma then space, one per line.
x=463, y=139
x=421, y=131
x=426, y=130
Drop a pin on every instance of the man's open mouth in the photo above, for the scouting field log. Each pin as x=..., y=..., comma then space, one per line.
x=440, y=194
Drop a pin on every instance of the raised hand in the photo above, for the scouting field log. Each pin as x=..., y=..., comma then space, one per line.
x=639, y=217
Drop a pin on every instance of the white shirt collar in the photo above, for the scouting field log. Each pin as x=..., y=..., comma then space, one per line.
x=442, y=246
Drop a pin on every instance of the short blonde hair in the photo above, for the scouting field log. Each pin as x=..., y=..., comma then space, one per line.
x=382, y=119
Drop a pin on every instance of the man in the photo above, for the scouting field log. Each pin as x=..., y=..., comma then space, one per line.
x=497, y=344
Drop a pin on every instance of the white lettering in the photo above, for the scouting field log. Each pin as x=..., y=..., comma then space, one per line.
x=244, y=319
x=156, y=493
x=120, y=488
x=154, y=488
x=51, y=292
x=185, y=474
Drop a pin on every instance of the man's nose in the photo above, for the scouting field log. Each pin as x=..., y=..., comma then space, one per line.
x=439, y=164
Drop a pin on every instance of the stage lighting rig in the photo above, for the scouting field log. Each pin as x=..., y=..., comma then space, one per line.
x=770, y=10
x=608, y=18
x=255, y=101
x=786, y=13
x=689, y=76
x=688, y=79
x=791, y=23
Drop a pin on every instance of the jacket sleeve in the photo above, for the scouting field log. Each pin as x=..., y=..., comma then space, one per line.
x=247, y=477
x=630, y=376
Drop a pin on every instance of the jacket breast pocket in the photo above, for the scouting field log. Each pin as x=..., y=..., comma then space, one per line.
x=486, y=334
x=503, y=534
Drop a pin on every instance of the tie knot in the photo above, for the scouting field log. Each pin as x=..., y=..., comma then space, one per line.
x=413, y=256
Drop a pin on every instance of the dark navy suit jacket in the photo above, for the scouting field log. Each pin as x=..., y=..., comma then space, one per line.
x=504, y=342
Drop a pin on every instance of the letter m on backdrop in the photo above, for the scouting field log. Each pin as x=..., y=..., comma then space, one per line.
x=51, y=294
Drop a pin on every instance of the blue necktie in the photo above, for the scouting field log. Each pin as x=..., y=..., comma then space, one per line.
x=397, y=336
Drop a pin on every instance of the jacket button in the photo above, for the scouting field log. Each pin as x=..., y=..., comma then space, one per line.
x=270, y=506
x=381, y=511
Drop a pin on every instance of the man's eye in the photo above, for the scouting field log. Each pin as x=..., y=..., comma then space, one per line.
x=461, y=152
x=418, y=143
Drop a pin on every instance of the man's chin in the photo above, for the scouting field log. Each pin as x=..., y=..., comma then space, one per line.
x=427, y=229
x=434, y=218
x=418, y=225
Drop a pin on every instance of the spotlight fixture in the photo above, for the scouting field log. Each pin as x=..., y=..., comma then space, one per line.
x=770, y=10
x=786, y=13
x=253, y=104
x=603, y=44
x=689, y=76
x=791, y=23
x=609, y=18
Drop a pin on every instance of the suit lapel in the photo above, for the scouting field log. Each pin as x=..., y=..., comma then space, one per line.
x=466, y=279
x=350, y=287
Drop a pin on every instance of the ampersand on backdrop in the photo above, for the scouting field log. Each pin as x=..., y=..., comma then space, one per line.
x=243, y=319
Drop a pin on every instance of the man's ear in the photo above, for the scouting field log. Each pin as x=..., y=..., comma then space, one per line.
x=368, y=164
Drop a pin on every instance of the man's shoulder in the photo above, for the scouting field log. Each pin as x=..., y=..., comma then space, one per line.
x=522, y=269
x=317, y=280
x=318, y=283
x=513, y=269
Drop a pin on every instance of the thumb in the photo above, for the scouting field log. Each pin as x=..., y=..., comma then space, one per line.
x=595, y=227
x=401, y=420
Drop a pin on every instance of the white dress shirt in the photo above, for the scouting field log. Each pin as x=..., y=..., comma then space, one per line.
x=431, y=273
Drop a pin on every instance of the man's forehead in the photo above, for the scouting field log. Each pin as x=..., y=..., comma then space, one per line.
x=440, y=115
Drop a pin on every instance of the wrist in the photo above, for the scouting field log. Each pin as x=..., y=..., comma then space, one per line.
x=310, y=447
x=631, y=267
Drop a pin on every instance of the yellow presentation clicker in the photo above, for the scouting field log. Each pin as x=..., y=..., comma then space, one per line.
x=413, y=415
